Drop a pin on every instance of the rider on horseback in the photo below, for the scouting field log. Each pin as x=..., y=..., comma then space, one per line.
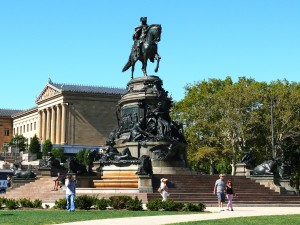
x=140, y=35
x=144, y=47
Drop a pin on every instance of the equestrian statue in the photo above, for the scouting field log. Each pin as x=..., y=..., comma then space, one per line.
x=145, y=46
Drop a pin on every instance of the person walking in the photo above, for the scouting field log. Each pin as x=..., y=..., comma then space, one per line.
x=70, y=193
x=229, y=194
x=164, y=189
x=8, y=178
x=219, y=190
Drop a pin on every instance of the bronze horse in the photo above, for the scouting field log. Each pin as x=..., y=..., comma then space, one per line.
x=148, y=50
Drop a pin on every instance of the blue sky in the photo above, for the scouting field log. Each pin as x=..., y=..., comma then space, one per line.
x=88, y=42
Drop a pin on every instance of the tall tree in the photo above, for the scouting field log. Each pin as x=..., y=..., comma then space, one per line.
x=240, y=116
x=199, y=112
x=18, y=141
x=34, y=146
x=47, y=147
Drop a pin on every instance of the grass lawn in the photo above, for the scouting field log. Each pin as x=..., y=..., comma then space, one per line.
x=257, y=220
x=35, y=217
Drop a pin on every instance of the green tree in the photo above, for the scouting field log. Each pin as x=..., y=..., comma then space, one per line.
x=18, y=141
x=240, y=117
x=221, y=120
x=199, y=113
x=34, y=146
x=47, y=147
x=58, y=153
x=86, y=153
x=80, y=155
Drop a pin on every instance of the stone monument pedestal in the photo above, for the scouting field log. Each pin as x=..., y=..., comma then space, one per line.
x=240, y=169
x=268, y=181
x=145, y=184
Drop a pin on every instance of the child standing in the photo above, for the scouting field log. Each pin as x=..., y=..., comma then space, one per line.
x=229, y=194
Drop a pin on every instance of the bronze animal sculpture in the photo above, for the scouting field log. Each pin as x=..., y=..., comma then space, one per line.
x=266, y=168
x=24, y=174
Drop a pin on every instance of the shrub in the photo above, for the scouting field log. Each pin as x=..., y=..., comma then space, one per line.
x=201, y=206
x=119, y=202
x=155, y=204
x=191, y=207
x=25, y=202
x=134, y=204
x=60, y=203
x=11, y=203
x=80, y=155
x=171, y=205
x=34, y=146
x=85, y=201
x=37, y=203
x=46, y=147
x=101, y=203
x=58, y=153
x=2, y=202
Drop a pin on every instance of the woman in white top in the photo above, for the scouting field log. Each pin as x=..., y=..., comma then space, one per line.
x=164, y=188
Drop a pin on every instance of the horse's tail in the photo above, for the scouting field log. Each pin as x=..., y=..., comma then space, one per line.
x=127, y=66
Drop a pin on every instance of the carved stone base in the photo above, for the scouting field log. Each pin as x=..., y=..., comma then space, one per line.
x=268, y=181
x=145, y=184
x=240, y=169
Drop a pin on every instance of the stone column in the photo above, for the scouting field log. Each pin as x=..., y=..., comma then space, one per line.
x=63, y=124
x=40, y=123
x=53, y=124
x=58, y=124
x=48, y=125
x=43, y=125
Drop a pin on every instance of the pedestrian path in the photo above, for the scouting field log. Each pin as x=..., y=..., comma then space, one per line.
x=215, y=214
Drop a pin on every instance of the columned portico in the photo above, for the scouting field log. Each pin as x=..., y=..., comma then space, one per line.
x=53, y=122
x=76, y=114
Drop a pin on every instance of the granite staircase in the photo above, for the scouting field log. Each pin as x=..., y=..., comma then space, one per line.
x=199, y=188
x=182, y=188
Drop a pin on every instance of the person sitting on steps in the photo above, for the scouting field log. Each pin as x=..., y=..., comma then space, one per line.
x=58, y=182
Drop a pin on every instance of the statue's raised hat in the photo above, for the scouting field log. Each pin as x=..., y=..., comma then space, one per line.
x=143, y=19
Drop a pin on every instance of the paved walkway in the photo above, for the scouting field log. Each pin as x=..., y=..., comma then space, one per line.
x=215, y=214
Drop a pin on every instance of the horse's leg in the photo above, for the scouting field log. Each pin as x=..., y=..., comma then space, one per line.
x=132, y=70
x=157, y=57
x=144, y=67
x=133, y=61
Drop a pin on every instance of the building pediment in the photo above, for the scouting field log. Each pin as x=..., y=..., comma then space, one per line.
x=48, y=92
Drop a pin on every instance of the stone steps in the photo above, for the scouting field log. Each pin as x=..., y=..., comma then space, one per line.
x=199, y=188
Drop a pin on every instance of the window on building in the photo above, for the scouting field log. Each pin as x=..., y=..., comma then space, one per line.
x=27, y=127
x=20, y=129
x=24, y=129
x=34, y=125
x=14, y=131
x=30, y=126
x=6, y=132
x=17, y=130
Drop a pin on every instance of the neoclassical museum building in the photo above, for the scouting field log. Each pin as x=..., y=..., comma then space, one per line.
x=69, y=115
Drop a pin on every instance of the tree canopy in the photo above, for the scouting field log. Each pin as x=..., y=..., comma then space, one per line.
x=223, y=119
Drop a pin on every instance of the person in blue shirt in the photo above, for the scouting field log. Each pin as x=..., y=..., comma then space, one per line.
x=70, y=193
